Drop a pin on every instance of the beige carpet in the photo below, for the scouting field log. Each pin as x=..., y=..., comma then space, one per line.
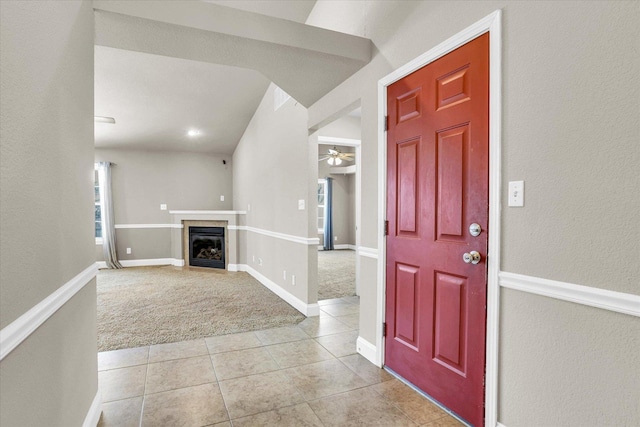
x=152, y=305
x=336, y=274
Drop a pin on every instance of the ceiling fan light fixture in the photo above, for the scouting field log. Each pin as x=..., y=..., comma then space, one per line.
x=338, y=161
x=331, y=160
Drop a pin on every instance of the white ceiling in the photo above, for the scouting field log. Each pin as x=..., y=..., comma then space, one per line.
x=156, y=100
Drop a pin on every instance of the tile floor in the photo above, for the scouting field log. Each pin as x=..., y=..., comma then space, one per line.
x=304, y=375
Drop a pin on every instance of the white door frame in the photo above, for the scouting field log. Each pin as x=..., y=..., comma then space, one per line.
x=346, y=142
x=492, y=25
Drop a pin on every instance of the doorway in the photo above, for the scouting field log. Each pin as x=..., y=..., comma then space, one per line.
x=489, y=25
x=339, y=207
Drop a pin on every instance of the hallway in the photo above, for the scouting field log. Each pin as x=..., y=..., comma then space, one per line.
x=305, y=375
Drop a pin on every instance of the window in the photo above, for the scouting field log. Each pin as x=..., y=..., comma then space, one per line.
x=322, y=197
x=98, y=207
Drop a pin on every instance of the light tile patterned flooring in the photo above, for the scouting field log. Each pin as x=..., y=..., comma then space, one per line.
x=304, y=375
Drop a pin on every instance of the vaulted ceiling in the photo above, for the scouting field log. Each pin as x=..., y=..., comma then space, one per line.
x=165, y=67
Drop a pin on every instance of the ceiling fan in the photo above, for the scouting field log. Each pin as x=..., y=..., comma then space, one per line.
x=335, y=157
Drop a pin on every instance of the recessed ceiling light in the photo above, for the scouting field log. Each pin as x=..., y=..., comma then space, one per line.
x=193, y=132
x=102, y=119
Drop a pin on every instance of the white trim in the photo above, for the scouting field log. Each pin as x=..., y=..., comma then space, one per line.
x=237, y=227
x=95, y=410
x=492, y=24
x=208, y=212
x=619, y=302
x=17, y=331
x=99, y=241
x=330, y=140
x=149, y=226
x=500, y=425
x=145, y=262
x=343, y=247
x=304, y=240
x=367, y=350
x=368, y=252
x=343, y=170
x=232, y=267
x=304, y=308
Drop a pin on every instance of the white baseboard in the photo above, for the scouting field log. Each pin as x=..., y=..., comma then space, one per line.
x=308, y=310
x=367, y=350
x=344, y=246
x=93, y=416
x=145, y=262
x=19, y=330
x=232, y=267
x=500, y=425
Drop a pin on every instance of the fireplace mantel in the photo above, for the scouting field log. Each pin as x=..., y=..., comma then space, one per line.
x=233, y=220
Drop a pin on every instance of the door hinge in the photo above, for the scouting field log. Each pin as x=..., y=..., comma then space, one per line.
x=386, y=228
x=384, y=329
x=386, y=122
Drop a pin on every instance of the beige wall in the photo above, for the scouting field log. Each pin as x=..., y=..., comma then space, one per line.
x=143, y=180
x=571, y=77
x=274, y=167
x=46, y=173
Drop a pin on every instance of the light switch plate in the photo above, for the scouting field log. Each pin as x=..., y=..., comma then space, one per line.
x=516, y=194
x=163, y=207
x=222, y=198
x=301, y=204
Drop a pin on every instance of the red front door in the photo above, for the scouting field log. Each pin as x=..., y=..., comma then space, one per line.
x=437, y=175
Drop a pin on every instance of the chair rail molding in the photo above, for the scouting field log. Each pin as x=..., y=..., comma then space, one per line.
x=619, y=302
x=19, y=330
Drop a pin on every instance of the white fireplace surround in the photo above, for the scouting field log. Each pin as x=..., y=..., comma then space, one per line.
x=233, y=219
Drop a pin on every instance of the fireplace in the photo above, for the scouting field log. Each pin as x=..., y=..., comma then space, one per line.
x=206, y=247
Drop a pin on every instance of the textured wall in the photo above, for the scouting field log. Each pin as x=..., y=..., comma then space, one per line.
x=142, y=180
x=571, y=77
x=273, y=169
x=46, y=173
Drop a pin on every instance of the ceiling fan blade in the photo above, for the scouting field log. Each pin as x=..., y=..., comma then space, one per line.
x=323, y=158
x=345, y=155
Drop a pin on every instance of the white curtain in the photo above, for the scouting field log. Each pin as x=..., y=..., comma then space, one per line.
x=106, y=206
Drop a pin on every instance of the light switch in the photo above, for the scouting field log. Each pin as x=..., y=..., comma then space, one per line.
x=163, y=207
x=128, y=251
x=516, y=194
x=222, y=198
x=301, y=204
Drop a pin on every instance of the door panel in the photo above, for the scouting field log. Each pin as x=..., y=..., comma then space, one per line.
x=437, y=181
x=407, y=280
x=408, y=187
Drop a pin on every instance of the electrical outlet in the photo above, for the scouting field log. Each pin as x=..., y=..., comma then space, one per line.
x=335, y=238
x=284, y=274
x=248, y=207
x=163, y=207
x=221, y=198
x=301, y=204
x=253, y=258
x=259, y=261
x=128, y=251
x=293, y=280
